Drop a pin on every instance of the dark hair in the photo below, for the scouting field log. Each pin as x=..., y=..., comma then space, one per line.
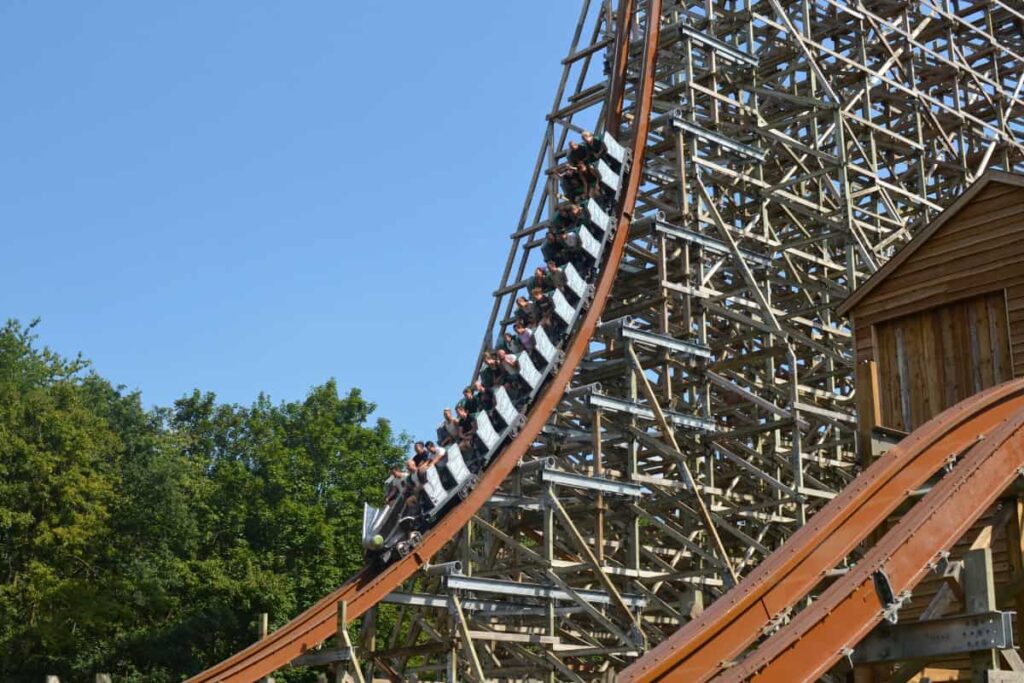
x=418, y=443
x=431, y=444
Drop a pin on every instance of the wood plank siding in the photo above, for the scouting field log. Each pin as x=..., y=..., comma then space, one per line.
x=946, y=319
x=942, y=320
x=931, y=360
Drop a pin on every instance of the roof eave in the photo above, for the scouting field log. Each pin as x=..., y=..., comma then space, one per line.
x=922, y=236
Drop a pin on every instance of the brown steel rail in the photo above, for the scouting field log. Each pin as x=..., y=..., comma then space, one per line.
x=829, y=629
x=366, y=589
x=697, y=651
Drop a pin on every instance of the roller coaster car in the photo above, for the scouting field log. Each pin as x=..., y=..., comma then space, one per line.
x=393, y=531
x=384, y=529
x=461, y=480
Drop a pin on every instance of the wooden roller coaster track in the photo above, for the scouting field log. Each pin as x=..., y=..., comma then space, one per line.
x=698, y=651
x=366, y=589
x=703, y=415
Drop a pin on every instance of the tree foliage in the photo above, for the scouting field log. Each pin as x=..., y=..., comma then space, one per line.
x=144, y=542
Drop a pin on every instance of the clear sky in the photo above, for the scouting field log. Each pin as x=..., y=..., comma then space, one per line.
x=244, y=196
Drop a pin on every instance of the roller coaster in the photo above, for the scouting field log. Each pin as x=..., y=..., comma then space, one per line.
x=676, y=493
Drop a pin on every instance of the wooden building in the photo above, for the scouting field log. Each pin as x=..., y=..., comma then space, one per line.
x=944, y=318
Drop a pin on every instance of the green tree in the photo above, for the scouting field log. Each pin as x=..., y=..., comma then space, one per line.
x=280, y=522
x=144, y=542
x=57, y=486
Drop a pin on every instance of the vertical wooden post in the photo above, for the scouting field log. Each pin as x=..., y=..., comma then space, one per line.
x=869, y=408
x=633, y=469
x=369, y=637
x=262, y=625
x=664, y=317
x=980, y=596
x=796, y=451
x=452, y=664
x=262, y=631
x=684, y=191
x=1015, y=554
x=598, y=472
x=549, y=556
x=344, y=642
x=467, y=548
x=869, y=415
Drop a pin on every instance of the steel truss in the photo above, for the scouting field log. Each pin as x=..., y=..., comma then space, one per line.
x=795, y=144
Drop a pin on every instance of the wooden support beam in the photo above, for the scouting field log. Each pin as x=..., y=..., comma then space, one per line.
x=467, y=638
x=345, y=642
x=591, y=559
x=669, y=433
x=262, y=631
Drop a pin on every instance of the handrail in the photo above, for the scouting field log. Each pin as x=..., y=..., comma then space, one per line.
x=697, y=651
x=366, y=588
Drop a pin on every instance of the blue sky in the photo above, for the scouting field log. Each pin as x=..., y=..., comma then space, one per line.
x=254, y=196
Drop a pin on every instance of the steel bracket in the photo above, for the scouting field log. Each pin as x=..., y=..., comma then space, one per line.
x=891, y=603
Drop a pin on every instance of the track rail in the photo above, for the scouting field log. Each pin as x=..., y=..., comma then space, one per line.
x=977, y=426
x=820, y=635
x=366, y=589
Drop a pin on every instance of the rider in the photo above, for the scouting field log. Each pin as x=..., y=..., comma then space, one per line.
x=567, y=218
x=468, y=401
x=594, y=147
x=394, y=485
x=420, y=459
x=439, y=458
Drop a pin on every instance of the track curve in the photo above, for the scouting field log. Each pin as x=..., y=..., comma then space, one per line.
x=698, y=650
x=366, y=589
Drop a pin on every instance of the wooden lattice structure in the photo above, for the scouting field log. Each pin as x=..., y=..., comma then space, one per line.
x=794, y=147
x=787, y=148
